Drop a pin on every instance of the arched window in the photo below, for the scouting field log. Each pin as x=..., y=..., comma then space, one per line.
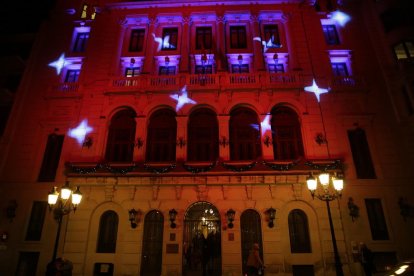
x=202, y=136
x=299, y=232
x=151, y=259
x=244, y=135
x=161, y=140
x=251, y=232
x=108, y=230
x=121, y=136
x=286, y=134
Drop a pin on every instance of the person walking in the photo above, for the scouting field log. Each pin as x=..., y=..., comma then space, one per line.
x=254, y=262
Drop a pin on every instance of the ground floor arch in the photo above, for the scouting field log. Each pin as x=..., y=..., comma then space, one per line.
x=202, y=240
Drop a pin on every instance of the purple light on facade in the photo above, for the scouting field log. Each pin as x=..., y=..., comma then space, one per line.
x=340, y=17
x=316, y=90
x=182, y=99
x=79, y=133
x=60, y=63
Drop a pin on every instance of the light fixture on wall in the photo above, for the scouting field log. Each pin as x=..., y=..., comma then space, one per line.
x=327, y=194
x=134, y=217
x=88, y=142
x=11, y=210
x=353, y=209
x=271, y=215
x=139, y=143
x=223, y=141
x=230, y=217
x=275, y=58
x=203, y=59
x=406, y=210
x=173, y=215
x=240, y=60
x=267, y=140
x=167, y=61
x=180, y=142
x=4, y=236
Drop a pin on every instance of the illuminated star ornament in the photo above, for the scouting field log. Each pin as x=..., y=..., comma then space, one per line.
x=165, y=43
x=316, y=90
x=79, y=133
x=60, y=63
x=340, y=17
x=182, y=99
x=265, y=124
x=266, y=45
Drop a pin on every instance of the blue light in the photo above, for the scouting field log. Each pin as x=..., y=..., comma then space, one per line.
x=60, y=63
x=340, y=17
x=80, y=131
x=316, y=90
x=182, y=99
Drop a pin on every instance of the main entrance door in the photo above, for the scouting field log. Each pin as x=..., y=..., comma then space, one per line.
x=202, y=240
x=151, y=260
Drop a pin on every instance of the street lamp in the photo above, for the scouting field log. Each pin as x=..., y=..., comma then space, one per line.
x=326, y=194
x=61, y=206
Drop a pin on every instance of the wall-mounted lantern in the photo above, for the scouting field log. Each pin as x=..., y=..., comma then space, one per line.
x=173, y=214
x=406, y=209
x=88, y=142
x=271, y=215
x=353, y=209
x=275, y=58
x=230, y=217
x=134, y=217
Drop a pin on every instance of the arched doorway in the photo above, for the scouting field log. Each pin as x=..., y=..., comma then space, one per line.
x=202, y=240
x=151, y=259
x=251, y=232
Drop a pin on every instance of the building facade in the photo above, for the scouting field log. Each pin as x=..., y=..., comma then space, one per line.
x=191, y=130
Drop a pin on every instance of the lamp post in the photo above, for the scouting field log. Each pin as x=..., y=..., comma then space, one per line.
x=328, y=195
x=61, y=206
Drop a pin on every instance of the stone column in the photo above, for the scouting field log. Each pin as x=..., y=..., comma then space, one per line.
x=181, y=150
x=224, y=135
x=290, y=47
x=266, y=139
x=118, y=53
x=220, y=54
x=151, y=47
x=257, y=45
x=185, y=45
x=140, y=139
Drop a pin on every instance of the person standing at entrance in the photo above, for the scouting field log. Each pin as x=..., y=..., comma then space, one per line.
x=254, y=262
x=366, y=259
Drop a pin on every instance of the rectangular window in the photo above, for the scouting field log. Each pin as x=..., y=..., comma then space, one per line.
x=136, y=42
x=204, y=38
x=271, y=36
x=72, y=75
x=80, y=42
x=206, y=69
x=240, y=69
x=238, y=38
x=339, y=69
x=331, y=35
x=169, y=39
x=376, y=219
x=51, y=158
x=361, y=154
x=27, y=264
x=276, y=68
x=409, y=103
x=167, y=70
x=37, y=217
x=132, y=71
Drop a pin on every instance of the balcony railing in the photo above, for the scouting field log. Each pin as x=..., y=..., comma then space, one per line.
x=347, y=82
x=66, y=87
x=203, y=81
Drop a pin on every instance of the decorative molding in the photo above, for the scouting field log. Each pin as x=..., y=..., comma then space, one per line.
x=178, y=192
x=202, y=192
x=155, y=191
x=297, y=189
x=249, y=191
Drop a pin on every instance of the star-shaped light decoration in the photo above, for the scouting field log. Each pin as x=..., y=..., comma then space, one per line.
x=79, y=133
x=265, y=124
x=340, y=17
x=316, y=90
x=163, y=42
x=60, y=63
x=182, y=99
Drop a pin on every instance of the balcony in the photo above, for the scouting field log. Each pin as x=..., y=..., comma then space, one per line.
x=206, y=82
x=347, y=83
